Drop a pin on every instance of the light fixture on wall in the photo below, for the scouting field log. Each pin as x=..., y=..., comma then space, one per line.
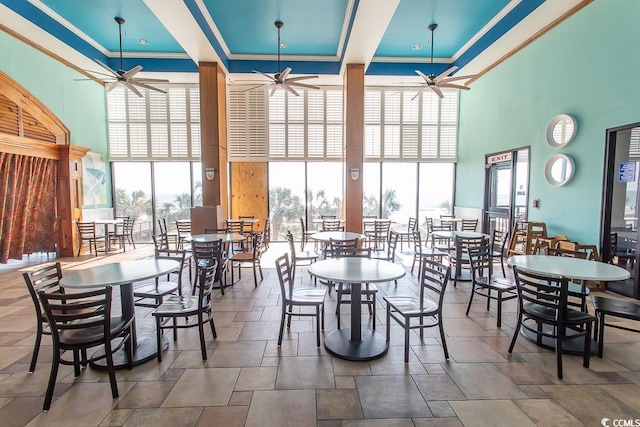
x=355, y=173
x=210, y=173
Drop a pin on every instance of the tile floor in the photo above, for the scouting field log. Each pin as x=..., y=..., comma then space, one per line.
x=249, y=381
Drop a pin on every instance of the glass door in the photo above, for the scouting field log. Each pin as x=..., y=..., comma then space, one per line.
x=506, y=189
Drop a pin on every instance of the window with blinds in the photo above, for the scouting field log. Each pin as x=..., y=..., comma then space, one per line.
x=283, y=126
x=157, y=126
x=399, y=128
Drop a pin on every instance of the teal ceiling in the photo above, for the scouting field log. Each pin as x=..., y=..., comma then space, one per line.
x=241, y=35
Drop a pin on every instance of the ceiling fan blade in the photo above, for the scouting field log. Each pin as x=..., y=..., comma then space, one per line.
x=263, y=74
x=424, y=76
x=296, y=84
x=106, y=67
x=290, y=89
x=145, y=80
x=273, y=90
x=146, y=86
x=419, y=92
x=456, y=78
x=112, y=86
x=437, y=90
x=295, y=79
x=445, y=73
x=132, y=72
x=454, y=86
x=257, y=86
x=132, y=88
x=283, y=75
x=95, y=79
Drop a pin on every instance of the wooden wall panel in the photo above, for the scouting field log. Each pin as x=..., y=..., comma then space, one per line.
x=250, y=190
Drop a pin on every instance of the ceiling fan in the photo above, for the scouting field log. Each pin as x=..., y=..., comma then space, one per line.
x=441, y=80
x=126, y=78
x=281, y=79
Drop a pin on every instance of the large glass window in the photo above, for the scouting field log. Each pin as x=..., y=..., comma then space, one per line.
x=132, y=188
x=371, y=190
x=436, y=190
x=286, y=198
x=399, y=192
x=325, y=189
x=172, y=192
x=196, y=170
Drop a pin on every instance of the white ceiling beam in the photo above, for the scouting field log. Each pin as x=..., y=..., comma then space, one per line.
x=369, y=25
x=178, y=20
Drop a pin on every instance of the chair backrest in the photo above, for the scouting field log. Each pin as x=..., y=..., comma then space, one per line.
x=337, y=248
x=499, y=240
x=434, y=277
x=480, y=261
x=174, y=255
x=283, y=268
x=302, y=226
x=327, y=216
x=184, y=227
x=206, y=279
x=160, y=241
x=547, y=291
x=417, y=241
x=382, y=228
x=91, y=310
x=247, y=226
x=235, y=226
x=162, y=226
x=412, y=225
x=392, y=244
x=429, y=222
x=267, y=230
x=292, y=246
x=440, y=241
x=215, y=231
x=469, y=224
x=463, y=243
x=45, y=279
x=368, y=226
x=569, y=253
x=128, y=226
x=207, y=253
x=332, y=225
x=87, y=230
x=258, y=244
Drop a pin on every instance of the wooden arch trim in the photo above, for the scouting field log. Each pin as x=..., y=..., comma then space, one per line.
x=25, y=100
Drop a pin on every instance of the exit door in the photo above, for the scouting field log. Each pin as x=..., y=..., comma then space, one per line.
x=506, y=189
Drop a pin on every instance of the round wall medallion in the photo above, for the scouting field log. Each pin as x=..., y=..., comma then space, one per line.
x=559, y=170
x=561, y=130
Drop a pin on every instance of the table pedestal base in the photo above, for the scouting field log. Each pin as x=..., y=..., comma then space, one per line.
x=569, y=345
x=145, y=350
x=373, y=345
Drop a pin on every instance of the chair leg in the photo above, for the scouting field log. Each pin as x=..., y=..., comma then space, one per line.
x=317, y=325
x=36, y=350
x=159, y=338
x=55, y=364
x=587, y=346
x=203, y=345
x=255, y=276
x=473, y=291
x=406, y=340
x=111, y=369
x=600, y=328
x=282, y=323
x=499, y=310
x=559, y=339
x=515, y=333
x=388, y=327
x=374, y=311
x=444, y=340
x=504, y=274
x=213, y=326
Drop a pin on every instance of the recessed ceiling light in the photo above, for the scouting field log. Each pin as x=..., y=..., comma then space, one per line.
x=283, y=45
x=416, y=47
x=143, y=42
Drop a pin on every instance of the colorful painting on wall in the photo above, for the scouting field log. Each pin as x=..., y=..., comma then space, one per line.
x=94, y=180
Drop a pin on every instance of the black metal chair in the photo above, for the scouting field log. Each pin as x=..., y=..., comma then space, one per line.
x=298, y=297
x=87, y=234
x=197, y=307
x=433, y=281
x=305, y=234
x=420, y=252
x=307, y=257
x=543, y=301
x=76, y=332
x=498, y=244
x=459, y=258
x=483, y=283
x=407, y=235
x=123, y=233
x=206, y=254
x=152, y=295
x=250, y=259
x=613, y=307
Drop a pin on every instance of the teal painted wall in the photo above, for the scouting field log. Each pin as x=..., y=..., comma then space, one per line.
x=588, y=66
x=81, y=105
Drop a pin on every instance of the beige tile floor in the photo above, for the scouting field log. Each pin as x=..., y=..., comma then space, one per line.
x=249, y=381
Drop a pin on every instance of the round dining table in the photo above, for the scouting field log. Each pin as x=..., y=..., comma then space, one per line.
x=326, y=236
x=355, y=344
x=207, y=238
x=570, y=268
x=123, y=274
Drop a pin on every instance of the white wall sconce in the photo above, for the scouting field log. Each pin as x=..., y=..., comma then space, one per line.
x=210, y=173
x=355, y=173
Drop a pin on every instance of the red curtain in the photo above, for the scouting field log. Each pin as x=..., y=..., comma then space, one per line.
x=27, y=205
